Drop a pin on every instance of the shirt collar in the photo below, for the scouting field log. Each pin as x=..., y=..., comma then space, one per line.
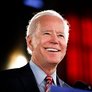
x=54, y=77
x=40, y=74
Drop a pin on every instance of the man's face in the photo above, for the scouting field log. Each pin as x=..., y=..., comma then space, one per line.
x=48, y=41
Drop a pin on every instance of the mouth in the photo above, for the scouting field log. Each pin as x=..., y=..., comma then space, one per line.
x=52, y=49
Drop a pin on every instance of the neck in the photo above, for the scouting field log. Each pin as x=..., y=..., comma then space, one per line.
x=48, y=68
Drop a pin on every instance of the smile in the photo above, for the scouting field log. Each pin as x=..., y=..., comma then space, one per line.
x=52, y=49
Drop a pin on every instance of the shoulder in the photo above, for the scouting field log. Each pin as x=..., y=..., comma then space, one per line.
x=9, y=80
x=9, y=75
x=15, y=79
x=12, y=73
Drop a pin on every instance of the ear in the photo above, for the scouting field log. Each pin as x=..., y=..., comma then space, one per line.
x=29, y=42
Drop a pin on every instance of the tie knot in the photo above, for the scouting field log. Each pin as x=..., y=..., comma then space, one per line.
x=48, y=79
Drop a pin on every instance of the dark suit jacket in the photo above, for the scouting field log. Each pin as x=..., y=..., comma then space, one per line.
x=21, y=80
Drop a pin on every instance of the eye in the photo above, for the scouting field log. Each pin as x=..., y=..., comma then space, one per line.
x=60, y=35
x=46, y=33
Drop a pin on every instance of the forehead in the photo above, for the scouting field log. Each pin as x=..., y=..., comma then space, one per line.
x=49, y=18
x=48, y=21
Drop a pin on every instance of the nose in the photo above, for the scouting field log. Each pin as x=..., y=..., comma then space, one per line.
x=54, y=39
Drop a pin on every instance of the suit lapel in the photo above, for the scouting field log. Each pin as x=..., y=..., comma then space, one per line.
x=28, y=79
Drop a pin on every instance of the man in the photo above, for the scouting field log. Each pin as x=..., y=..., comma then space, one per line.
x=47, y=38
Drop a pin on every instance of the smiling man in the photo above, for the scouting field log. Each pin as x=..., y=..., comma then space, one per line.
x=47, y=38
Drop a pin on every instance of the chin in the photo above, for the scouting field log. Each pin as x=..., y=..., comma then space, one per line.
x=54, y=61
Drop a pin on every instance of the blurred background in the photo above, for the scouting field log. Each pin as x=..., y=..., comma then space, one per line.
x=15, y=14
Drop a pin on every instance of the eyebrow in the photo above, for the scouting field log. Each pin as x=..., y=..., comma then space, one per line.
x=51, y=31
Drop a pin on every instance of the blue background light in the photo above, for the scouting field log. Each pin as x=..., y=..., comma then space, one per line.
x=34, y=3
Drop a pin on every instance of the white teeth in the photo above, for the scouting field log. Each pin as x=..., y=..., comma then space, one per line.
x=51, y=49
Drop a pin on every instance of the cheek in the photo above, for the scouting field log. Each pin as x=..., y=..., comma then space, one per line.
x=38, y=45
x=64, y=46
x=44, y=41
x=35, y=43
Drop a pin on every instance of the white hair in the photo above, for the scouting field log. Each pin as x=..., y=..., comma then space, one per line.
x=32, y=24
